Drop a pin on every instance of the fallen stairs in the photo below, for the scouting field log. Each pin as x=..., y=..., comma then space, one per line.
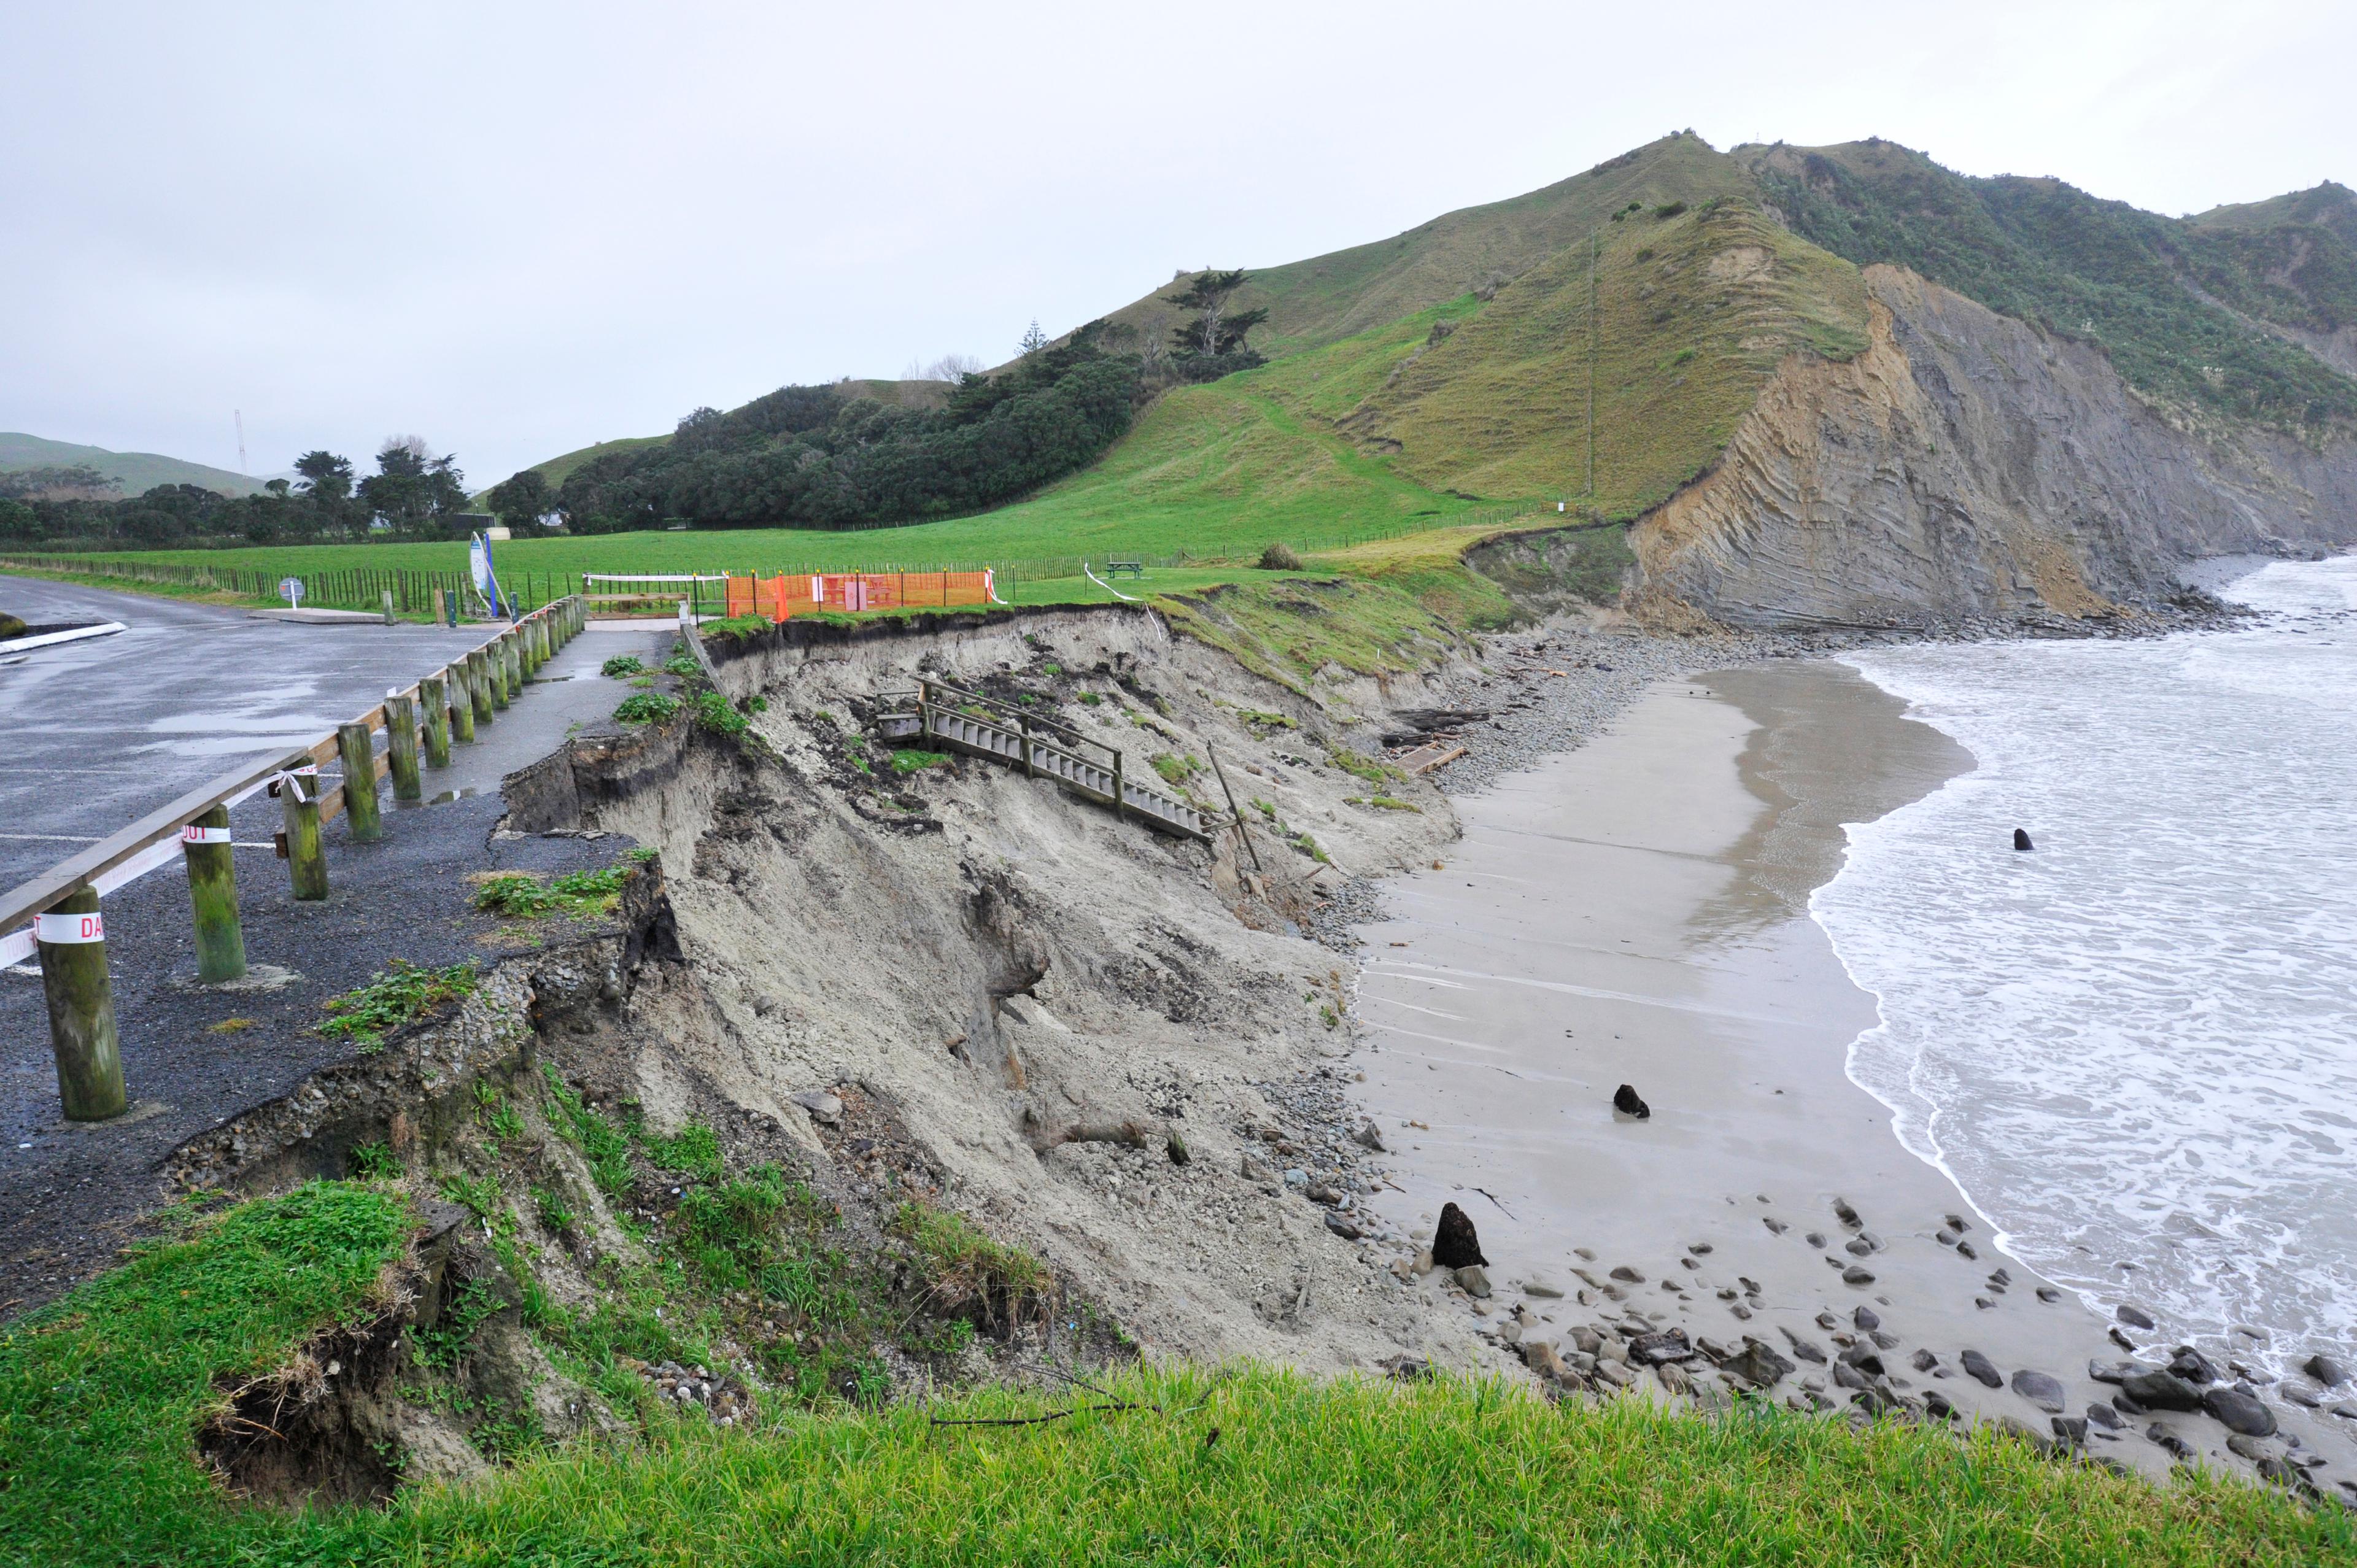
x=944, y=718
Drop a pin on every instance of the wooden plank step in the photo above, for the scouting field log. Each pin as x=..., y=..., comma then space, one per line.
x=1429, y=756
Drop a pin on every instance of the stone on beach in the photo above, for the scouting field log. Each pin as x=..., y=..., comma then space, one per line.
x=1455, y=1244
x=2153, y=1388
x=2239, y=1410
x=2041, y=1390
x=2133, y=1316
x=1853, y=1276
x=1980, y=1367
x=1628, y=1102
x=2325, y=1370
x=2194, y=1366
x=1474, y=1280
x=2021, y=840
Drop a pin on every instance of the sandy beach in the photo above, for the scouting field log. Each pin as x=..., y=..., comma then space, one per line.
x=1636, y=912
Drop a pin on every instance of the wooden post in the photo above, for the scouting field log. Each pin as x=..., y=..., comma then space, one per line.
x=434, y=696
x=389, y=617
x=512, y=656
x=1239, y=816
x=495, y=655
x=72, y=941
x=401, y=732
x=462, y=702
x=479, y=685
x=1120, y=793
x=212, y=890
x=356, y=743
x=306, y=856
x=1031, y=768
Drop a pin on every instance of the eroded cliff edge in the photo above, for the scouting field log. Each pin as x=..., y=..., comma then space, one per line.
x=1969, y=466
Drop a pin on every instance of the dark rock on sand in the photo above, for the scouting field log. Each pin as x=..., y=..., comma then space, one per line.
x=2071, y=1429
x=1628, y=1103
x=2239, y=1410
x=2133, y=1317
x=2122, y=1340
x=1865, y=1318
x=1958, y=1223
x=1342, y=1226
x=2155, y=1390
x=2125, y=1404
x=2049, y=1294
x=1652, y=1349
x=1817, y=1238
x=1803, y=1349
x=1775, y=1226
x=2194, y=1366
x=1627, y=1276
x=1946, y=1238
x=1853, y=1276
x=1936, y=1405
x=2021, y=840
x=1845, y=1214
x=1964, y=1249
x=2104, y=1416
x=2109, y=1371
x=1369, y=1136
x=1923, y=1360
x=2041, y=1390
x=1850, y=1377
x=1865, y=1360
x=1759, y=1363
x=2325, y=1370
x=1454, y=1245
x=2177, y=1447
x=1983, y=1368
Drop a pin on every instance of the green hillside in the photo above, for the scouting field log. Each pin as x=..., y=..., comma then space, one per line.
x=1327, y=297
x=2330, y=206
x=134, y=471
x=893, y=394
x=2182, y=307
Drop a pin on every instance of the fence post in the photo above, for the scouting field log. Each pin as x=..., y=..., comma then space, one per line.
x=212, y=892
x=479, y=684
x=512, y=659
x=1120, y=790
x=400, y=732
x=306, y=857
x=462, y=701
x=357, y=743
x=434, y=696
x=72, y=941
x=389, y=617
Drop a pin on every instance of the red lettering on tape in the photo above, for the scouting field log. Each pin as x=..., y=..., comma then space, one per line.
x=60, y=930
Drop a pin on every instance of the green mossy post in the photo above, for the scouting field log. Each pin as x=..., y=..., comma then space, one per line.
x=479, y=685
x=81, y=1012
x=212, y=890
x=356, y=743
x=495, y=665
x=306, y=856
x=543, y=642
x=434, y=696
x=512, y=656
x=401, y=729
x=462, y=701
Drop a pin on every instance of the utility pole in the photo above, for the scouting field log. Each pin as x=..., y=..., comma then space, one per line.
x=1594, y=243
x=239, y=414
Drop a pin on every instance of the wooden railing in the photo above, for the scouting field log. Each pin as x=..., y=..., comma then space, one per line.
x=948, y=717
x=62, y=903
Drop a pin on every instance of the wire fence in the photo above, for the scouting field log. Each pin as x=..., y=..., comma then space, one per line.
x=364, y=587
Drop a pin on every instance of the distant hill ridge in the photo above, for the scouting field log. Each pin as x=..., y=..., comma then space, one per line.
x=135, y=471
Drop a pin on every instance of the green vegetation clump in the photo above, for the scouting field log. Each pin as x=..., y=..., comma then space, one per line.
x=909, y=759
x=398, y=994
x=683, y=665
x=622, y=665
x=523, y=894
x=10, y=626
x=1177, y=769
x=966, y=1268
x=1279, y=557
x=715, y=713
x=646, y=708
x=742, y=626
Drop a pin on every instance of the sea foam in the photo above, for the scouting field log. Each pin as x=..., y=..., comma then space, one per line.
x=2135, y=1046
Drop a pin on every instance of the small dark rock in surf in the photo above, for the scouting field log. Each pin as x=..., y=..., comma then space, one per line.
x=2325, y=1370
x=1628, y=1102
x=2021, y=840
x=1454, y=1245
x=2122, y=1340
x=2133, y=1317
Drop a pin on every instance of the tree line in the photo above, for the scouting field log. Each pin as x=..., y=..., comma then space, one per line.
x=412, y=495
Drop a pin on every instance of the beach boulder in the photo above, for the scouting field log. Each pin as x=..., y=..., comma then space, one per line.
x=2153, y=1388
x=2133, y=1316
x=2041, y=1390
x=2194, y=1366
x=2239, y=1410
x=1630, y=1103
x=1454, y=1245
x=1982, y=1369
x=2325, y=1370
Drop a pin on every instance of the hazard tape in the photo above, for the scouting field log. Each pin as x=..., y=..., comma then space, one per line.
x=195, y=834
x=17, y=947
x=59, y=930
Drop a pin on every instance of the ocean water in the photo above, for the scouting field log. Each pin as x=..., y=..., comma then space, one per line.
x=2136, y=1047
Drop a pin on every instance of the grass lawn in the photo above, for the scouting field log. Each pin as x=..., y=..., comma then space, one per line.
x=100, y=1396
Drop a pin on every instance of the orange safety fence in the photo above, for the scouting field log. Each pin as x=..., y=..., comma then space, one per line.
x=781, y=597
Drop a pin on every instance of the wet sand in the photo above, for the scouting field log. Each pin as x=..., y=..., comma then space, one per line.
x=1636, y=912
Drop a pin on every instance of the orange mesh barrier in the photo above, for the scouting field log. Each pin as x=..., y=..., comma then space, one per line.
x=782, y=597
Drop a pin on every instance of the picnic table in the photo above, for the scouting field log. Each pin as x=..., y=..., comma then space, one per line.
x=1133, y=565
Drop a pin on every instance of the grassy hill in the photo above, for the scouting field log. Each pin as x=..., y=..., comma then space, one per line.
x=2182, y=306
x=135, y=471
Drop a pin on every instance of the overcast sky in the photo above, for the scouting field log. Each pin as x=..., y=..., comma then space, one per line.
x=517, y=229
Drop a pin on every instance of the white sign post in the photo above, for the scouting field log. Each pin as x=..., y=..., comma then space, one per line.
x=291, y=588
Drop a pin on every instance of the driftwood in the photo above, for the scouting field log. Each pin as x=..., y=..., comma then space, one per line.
x=1131, y=1133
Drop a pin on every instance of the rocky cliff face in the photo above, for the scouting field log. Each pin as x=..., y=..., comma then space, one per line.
x=1967, y=465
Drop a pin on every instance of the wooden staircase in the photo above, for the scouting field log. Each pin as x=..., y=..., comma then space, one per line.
x=944, y=718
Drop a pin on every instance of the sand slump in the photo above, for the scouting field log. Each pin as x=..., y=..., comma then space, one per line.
x=1000, y=961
